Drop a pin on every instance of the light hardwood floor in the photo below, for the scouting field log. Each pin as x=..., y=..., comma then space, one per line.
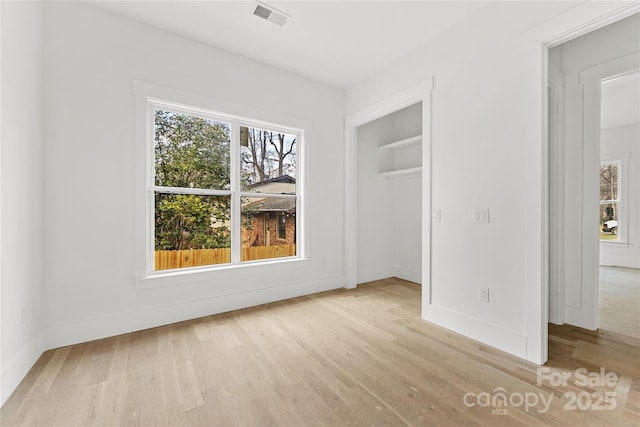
x=620, y=300
x=346, y=357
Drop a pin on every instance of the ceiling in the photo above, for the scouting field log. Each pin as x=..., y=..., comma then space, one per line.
x=620, y=101
x=339, y=43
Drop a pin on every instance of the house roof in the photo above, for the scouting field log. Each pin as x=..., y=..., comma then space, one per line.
x=286, y=179
x=279, y=185
x=273, y=204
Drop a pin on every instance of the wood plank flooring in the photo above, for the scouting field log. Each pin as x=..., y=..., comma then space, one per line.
x=358, y=357
x=620, y=300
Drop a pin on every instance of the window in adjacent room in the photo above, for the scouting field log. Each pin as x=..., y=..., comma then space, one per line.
x=610, y=203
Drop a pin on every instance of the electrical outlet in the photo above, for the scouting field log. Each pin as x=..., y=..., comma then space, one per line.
x=484, y=294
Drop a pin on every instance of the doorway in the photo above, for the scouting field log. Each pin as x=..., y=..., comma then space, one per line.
x=619, y=280
x=386, y=141
x=578, y=72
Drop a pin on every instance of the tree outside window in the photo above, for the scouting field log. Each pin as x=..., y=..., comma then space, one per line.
x=195, y=190
x=609, y=200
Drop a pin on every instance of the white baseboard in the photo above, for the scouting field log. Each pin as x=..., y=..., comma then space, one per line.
x=371, y=274
x=477, y=329
x=615, y=261
x=407, y=274
x=579, y=317
x=88, y=329
x=384, y=272
x=14, y=370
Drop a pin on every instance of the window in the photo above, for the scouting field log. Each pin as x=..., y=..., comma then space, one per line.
x=220, y=186
x=610, y=204
x=281, y=226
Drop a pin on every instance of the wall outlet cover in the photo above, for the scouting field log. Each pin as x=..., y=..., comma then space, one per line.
x=480, y=215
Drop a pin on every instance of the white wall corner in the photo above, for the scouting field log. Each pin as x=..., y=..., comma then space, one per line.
x=16, y=368
x=371, y=274
x=409, y=274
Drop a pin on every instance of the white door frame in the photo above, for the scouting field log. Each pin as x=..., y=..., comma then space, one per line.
x=588, y=316
x=420, y=92
x=555, y=127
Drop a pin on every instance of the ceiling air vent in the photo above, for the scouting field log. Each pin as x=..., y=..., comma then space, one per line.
x=271, y=14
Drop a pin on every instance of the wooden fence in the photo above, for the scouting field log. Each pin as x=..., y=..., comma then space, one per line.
x=165, y=260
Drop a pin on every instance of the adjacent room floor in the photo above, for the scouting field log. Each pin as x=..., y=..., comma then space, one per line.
x=620, y=300
x=345, y=357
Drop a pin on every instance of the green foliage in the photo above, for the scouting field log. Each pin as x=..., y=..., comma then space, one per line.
x=184, y=221
x=191, y=152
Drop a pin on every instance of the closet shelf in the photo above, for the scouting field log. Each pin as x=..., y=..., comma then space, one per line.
x=401, y=172
x=414, y=140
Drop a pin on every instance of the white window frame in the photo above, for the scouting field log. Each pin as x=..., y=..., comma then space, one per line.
x=623, y=192
x=148, y=98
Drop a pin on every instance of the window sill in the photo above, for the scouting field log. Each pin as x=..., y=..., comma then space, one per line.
x=614, y=244
x=220, y=272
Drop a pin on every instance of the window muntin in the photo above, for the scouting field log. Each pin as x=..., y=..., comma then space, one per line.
x=610, y=203
x=212, y=176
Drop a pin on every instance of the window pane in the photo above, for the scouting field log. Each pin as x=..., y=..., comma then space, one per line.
x=281, y=225
x=609, y=200
x=609, y=220
x=609, y=181
x=260, y=239
x=191, y=230
x=191, y=151
x=268, y=161
x=609, y=211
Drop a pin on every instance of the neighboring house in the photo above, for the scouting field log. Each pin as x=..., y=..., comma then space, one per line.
x=272, y=220
x=279, y=185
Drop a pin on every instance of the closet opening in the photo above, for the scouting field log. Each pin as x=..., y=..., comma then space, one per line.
x=389, y=196
x=388, y=190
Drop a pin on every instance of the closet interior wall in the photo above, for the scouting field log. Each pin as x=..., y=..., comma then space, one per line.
x=389, y=157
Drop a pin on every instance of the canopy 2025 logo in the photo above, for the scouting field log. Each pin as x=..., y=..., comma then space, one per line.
x=500, y=400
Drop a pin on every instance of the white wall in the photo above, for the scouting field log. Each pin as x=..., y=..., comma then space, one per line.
x=625, y=140
x=21, y=261
x=91, y=59
x=407, y=198
x=487, y=153
x=374, y=218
